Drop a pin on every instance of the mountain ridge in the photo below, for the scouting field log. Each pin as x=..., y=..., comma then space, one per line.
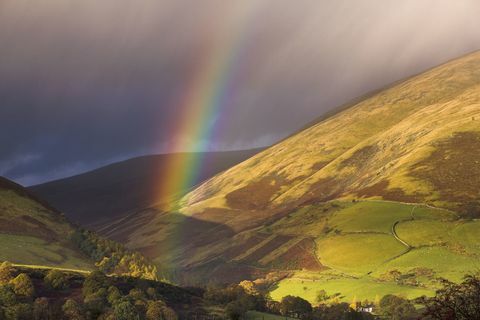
x=113, y=191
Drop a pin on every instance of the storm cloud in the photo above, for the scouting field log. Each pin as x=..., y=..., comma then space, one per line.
x=85, y=83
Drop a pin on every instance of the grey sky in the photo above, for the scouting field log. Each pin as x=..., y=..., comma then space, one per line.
x=84, y=83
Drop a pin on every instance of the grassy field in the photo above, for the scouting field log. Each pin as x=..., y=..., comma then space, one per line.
x=33, y=251
x=360, y=249
x=32, y=233
x=350, y=288
x=358, y=254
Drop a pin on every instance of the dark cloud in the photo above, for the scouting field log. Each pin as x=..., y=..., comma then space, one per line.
x=83, y=83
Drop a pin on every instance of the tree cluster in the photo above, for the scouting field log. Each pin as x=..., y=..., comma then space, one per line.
x=113, y=258
x=454, y=301
x=58, y=295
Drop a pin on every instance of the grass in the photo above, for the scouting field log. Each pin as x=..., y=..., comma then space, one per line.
x=33, y=251
x=32, y=234
x=350, y=288
x=443, y=261
x=370, y=217
x=360, y=248
x=358, y=254
x=425, y=232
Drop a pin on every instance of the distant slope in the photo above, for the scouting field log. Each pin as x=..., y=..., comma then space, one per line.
x=33, y=233
x=417, y=142
x=107, y=193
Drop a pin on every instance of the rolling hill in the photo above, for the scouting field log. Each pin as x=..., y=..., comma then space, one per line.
x=33, y=233
x=380, y=197
x=107, y=193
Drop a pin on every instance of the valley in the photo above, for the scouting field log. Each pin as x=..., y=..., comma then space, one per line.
x=355, y=197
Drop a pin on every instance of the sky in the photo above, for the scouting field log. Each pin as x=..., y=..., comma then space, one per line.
x=86, y=83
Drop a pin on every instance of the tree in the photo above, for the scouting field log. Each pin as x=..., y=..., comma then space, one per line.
x=72, y=310
x=169, y=314
x=7, y=296
x=6, y=272
x=455, y=301
x=41, y=309
x=125, y=310
x=56, y=280
x=322, y=296
x=353, y=305
x=154, y=310
x=136, y=294
x=23, y=286
x=95, y=303
x=94, y=282
x=21, y=311
x=235, y=310
x=249, y=287
x=339, y=311
x=396, y=308
x=113, y=295
x=295, y=306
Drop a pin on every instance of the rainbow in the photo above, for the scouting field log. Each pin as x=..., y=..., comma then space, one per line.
x=209, y=90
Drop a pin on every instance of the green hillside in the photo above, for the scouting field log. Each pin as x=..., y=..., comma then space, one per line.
x=33, y=233
x=380, y=197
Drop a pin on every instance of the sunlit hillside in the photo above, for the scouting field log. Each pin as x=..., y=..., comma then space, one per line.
x=33, y=233
x=389, y=183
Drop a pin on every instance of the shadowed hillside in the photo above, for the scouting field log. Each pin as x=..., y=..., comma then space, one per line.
x=110, y=192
